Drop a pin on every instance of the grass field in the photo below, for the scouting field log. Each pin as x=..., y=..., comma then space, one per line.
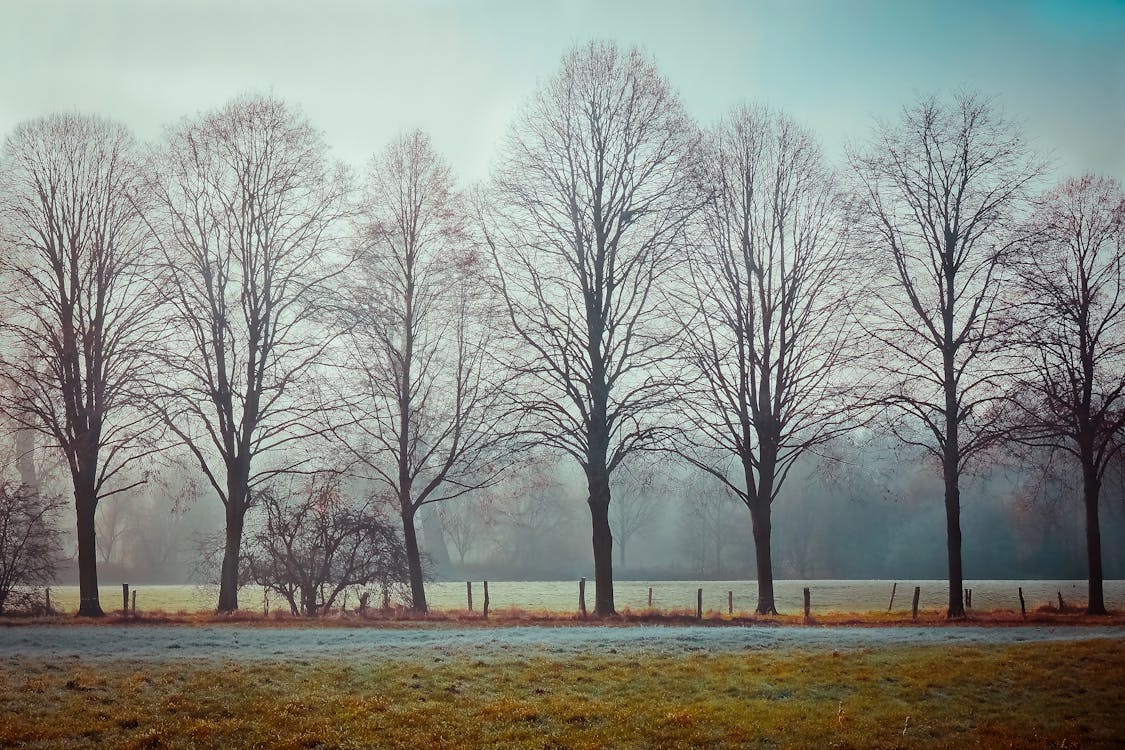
x=828, y=596
x=1066, y=695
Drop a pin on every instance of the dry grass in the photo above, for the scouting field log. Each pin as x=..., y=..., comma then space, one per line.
x=1025, y=696
x=401, y=617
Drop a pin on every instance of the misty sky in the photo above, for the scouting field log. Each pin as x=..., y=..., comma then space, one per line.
x=364, y=71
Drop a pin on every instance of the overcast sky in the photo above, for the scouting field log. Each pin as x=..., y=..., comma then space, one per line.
x=364, y=71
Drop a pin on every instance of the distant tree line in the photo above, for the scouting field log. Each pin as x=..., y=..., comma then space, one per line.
x=329, y=351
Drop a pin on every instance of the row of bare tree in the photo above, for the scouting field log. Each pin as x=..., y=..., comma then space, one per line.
x=624, y=284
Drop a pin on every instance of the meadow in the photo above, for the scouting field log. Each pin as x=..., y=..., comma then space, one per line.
x=828, y=596
x=1042, y=695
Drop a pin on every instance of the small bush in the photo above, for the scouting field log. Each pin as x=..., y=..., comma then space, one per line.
x=29, y=543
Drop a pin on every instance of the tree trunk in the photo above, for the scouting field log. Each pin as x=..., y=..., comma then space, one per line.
x=951, y=469
x=86, y=503
x=414, y=560
x=1091, y=492
x=762, y=525
x=228, y=577
x=953, y=541
x=603, y=544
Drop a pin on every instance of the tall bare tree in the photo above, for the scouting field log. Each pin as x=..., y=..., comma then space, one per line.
x=249, y=223
x=938, y=194
x=77, y=324
x=419, y=332
x=773, y=339
x=587, y=211
x=1070, y=394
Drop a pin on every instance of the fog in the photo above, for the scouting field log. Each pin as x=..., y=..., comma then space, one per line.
x=880, y=515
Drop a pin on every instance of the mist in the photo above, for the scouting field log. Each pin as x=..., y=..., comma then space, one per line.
x=879, y=519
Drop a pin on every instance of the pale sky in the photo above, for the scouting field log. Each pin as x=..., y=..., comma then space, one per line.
x=365, y=71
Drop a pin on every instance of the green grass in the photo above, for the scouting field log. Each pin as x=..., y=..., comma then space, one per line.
x=1026, y=696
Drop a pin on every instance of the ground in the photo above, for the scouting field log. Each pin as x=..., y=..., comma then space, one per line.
x=235, y=686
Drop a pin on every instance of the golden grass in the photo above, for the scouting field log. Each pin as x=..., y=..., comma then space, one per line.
x=1054, y=695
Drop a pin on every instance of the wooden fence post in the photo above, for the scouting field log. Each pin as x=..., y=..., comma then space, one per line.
x=125, y=598
x=1023, y=606
x=469, y=593
x=914, y=606
x=582, y=597
x=1061, y=603
x=486, y=600
x=894, y=588
x=730, y=602
x=48, y=600
x=650, y=597
x=134, y=602
x=808, y=601
x=699, y=604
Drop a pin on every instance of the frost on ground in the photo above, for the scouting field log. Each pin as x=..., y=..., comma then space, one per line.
x=229, y=642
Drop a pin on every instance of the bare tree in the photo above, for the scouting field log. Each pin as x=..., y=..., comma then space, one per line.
x=112, y=524
x=529, y=504
x=938, y=195
x=1070, y=394
x=314, y=544
x=77, y=326
x=707, y=530
x=464, y=523
x=587, y=211
x=29, y=539
x=434, y=546
x=418, y=335
x=637, y=502
x=772, y=342
x=249, y=217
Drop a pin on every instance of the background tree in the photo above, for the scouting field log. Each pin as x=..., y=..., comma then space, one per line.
x=938, y=196
x=249, y=221
x=418, y=337
x=78, y=326
x=1070, y=394
x=637, y=502
x=314, y=544
x=25, y=459
x=707, y=527
x=29, y=540
x=771, y=335
x=529, y=505
x=587, y=210
x=464, y=523
x=112, y=525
